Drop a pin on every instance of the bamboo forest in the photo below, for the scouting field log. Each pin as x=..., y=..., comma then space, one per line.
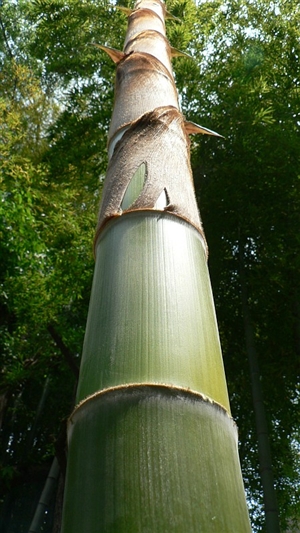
x=119, y=411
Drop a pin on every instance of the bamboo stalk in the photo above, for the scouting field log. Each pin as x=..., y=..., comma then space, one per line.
x=264, y=450
x=152, y=446
x=45, y=499
x=153, y=326
x=162, y=461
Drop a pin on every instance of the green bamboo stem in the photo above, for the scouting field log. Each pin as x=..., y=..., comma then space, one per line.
x=152, y=446
x=162, y=459
x=158, y=323
x=45, y=499
x=264, y=449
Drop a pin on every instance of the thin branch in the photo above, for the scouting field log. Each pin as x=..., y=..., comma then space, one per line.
x=6, y=39
x=10, y=53
x=64, y=350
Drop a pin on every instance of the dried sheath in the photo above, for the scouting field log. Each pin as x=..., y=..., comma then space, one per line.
x=147, y=127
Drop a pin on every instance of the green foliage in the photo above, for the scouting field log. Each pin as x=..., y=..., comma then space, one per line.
x=47, y=221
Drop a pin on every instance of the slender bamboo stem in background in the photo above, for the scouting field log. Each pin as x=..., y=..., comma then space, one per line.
x=39, y=412
x=263, y=438
x=45, y=499
x=152, y=446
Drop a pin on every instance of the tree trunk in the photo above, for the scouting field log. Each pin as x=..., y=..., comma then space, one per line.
x=264, y=450
x=45, y=499
x=3, y=403
x=152, y=445
x=38, y=415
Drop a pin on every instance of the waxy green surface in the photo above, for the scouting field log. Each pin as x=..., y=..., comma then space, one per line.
x=149, y=459
x=151, y=316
